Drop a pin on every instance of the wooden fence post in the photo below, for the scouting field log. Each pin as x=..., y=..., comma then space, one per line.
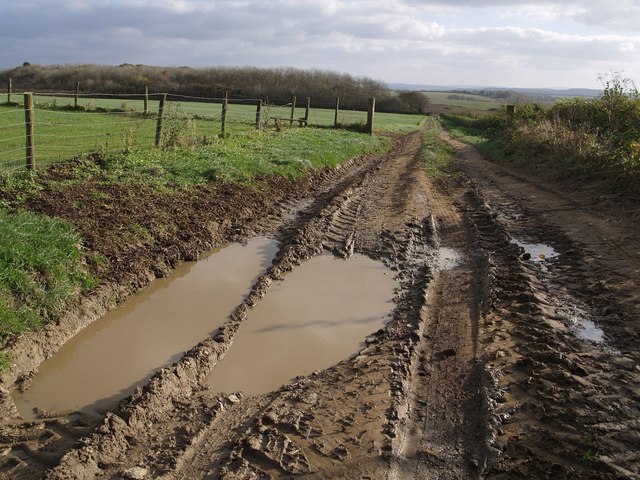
x=9, y=90
x=163, y=98
x=293, y=110
x=511, y=110
x=75, y=102
x=259, y=115
x=225, y=108
x=335, y=118
x=306, y=112
x=146, y=101
x=29, y=121
x=370, y=114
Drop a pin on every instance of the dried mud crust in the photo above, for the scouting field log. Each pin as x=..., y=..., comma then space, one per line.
x=479, y=373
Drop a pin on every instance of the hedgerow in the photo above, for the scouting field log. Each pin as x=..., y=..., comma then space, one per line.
x=585, y=138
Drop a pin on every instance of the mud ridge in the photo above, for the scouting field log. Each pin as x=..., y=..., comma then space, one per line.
x=147, y=406
x=543, y=374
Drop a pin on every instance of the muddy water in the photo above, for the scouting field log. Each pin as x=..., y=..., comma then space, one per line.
x=318, y=315
x=151, y=329
x=539, y=251
x=585, y=328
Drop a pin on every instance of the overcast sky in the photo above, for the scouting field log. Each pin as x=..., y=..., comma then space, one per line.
x=512, y=43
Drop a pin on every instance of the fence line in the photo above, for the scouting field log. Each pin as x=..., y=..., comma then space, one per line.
x=101, y=124
x=13, y=150
x=84, y=112
x=21, y=137
x=136, y=124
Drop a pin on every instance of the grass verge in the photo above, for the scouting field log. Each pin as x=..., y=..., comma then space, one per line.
x=41, y=271
x=241, y=158
x=461, y=128
x=436, y=153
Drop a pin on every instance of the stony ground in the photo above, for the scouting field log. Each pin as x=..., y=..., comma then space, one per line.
x=482, y=372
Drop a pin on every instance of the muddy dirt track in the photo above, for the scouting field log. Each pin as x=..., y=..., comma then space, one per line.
x=483, y=371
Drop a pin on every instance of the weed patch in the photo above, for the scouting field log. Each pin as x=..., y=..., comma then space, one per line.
x=575, y=139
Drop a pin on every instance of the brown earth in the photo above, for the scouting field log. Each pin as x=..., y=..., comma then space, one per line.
x=479, y=374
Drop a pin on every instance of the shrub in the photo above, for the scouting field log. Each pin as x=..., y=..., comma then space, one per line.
x=573, y=137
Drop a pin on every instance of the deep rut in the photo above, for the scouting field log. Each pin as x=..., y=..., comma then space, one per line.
x=443, y=435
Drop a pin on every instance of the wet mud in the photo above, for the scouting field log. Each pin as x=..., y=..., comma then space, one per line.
x=479, y=371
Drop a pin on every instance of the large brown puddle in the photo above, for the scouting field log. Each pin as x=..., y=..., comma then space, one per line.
x=317, y=316
x=151, y=329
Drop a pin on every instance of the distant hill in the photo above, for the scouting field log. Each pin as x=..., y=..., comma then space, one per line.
x=538, y=94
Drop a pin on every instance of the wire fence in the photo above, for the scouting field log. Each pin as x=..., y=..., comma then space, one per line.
x=64, y=126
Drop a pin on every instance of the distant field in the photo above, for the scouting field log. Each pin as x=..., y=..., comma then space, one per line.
x=63, y=134
x=457, y=101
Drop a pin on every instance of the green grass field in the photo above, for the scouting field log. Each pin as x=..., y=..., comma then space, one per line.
x=239, y=113
x=466, y=100
x=62, y=133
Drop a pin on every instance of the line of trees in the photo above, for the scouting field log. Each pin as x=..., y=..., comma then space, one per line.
x=274, y=84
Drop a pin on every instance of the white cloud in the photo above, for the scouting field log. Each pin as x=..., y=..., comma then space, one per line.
x=514, y=41
x=627, y=47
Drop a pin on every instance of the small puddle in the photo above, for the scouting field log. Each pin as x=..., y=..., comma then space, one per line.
x=586, y=329
x=447, y=258
x=317, y=316
x=104, y=362
x=539, y=252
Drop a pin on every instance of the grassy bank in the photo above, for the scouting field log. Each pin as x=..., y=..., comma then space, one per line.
x=241, y=158
x=41, y=270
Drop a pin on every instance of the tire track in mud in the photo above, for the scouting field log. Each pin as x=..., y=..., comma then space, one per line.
x=476, y=375
x=295, y=432
x=319, y=225
x=443, y=435
x=553, y=413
